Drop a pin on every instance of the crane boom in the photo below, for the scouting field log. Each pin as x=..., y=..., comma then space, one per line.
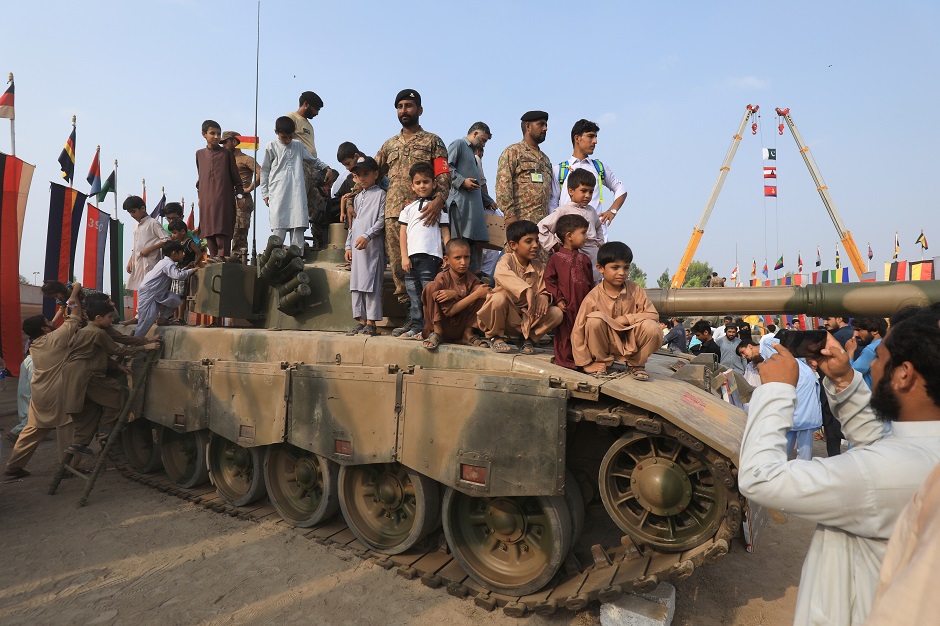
x=845, y=236
x=679, y=278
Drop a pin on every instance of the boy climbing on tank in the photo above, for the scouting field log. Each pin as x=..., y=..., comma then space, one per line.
x=616, y=321
x=451, y=301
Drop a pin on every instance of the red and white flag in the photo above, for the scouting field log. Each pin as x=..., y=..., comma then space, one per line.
x=770, y=172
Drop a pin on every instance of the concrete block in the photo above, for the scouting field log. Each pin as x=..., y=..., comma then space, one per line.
x=655, y=608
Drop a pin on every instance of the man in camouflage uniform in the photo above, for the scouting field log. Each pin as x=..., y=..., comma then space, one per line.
x=249, y=171
x=395, y=158
x=524, y=173
x=317, y=181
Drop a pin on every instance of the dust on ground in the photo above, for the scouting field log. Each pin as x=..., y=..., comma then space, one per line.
x=137, y=556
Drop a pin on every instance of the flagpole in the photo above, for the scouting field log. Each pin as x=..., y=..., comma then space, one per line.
x=13, y=123
x=254, y=200
x=143, y=184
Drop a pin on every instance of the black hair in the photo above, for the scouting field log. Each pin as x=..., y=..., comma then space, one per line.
x=33, y=326
x=579, y=177
x=284, y=125
x=454, y=243
x=421, y=167
x=701, y=326
x=917, y=341
x=51, y=288
x=871, y=324
x=731, y=325
x=771, y=328
x=210, y=124
x=134, y=202
x=614, y=251
x=97, y=295
x=172, y=207
x=583, y=126
x=744, y=344
x=310, y=98
x=172, y=246
x=98, y=307
x=567, y=224
x=480, y=126
x=519, y=229
x=727, y=318
x=176, y=225
x=905, y=313
x=347, y=150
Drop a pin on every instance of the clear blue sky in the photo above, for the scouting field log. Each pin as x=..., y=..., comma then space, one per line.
x=667, y=82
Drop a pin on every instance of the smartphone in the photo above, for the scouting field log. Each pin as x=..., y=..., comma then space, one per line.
x=803, y=343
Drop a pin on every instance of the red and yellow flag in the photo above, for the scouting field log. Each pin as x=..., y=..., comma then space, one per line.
x=246, y=143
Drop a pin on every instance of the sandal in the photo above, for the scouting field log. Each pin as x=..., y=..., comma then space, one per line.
x=639, y=373
x=411, y=333
x=355, y=330
x=369, y=330
x=401, y=330
x=528, y=347
x=499, y=345
x=478, y=342
x=432, y=342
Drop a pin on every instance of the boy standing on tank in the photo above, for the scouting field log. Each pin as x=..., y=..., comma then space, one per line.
x=580, y=190
x=451, y=301
x=365, y=250
x=616, y=322
x=569, y=278
x=520, y=304
x=218, y=184
x=421, y=251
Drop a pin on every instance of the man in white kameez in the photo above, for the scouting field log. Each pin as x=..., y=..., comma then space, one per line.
x=856, y=497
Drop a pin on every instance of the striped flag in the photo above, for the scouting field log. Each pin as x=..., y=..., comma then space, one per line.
x=247, y=143
x=754, y=268
x=94, y=174
x=770, y=172
x=922, y=240
x=67, y=159
x=116, y=229
x=779, y=265
x=896, y=270
x=66, y=206
x=6, y=112
x=818, y=257
x=734, y=274
x=799, y=261
x=922, y=270
x=15, y=178
x=838, y=260
x=764, y=271
x=897, y=246
x=770, y=191
x=96, y=237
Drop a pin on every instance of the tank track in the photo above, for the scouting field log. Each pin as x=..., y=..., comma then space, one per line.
x=612, y=571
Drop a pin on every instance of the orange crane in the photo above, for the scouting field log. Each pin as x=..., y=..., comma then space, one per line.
x=699, y=230
x=845, y=236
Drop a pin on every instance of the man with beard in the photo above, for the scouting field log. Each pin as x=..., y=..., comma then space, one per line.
x=466, y=200
x=314, y=179
x=523, y=174
x=727, y=344
x=855, y=497
x=869, y=332
x=395, y=158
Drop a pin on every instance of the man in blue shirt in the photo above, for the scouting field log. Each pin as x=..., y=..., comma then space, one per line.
x=869, y=332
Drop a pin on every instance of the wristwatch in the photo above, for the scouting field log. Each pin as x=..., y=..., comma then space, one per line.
x=614, y=211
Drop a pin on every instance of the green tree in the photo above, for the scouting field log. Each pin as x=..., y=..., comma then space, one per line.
x=698, y=274
x=23, y=280
x=665, y=280
x=637, y=275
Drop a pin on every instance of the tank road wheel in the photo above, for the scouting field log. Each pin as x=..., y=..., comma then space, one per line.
x=142, y=445
x=301, y=485
x=235, y=471
x=388, y=506
x=184, y=457
x=512, y=545
x=661, y=492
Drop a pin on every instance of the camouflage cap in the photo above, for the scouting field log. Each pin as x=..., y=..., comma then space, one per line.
x=231, y=134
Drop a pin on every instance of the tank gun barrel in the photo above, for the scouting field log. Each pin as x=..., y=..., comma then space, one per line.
x=881, y=299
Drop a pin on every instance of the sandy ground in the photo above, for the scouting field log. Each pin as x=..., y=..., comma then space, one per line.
x=136, y=556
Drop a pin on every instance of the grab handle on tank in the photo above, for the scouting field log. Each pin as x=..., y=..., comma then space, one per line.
x=215, y=288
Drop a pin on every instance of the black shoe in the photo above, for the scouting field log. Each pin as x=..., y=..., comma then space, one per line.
x=16, y=472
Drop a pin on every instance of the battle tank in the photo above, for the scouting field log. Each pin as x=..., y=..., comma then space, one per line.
x=552, y=487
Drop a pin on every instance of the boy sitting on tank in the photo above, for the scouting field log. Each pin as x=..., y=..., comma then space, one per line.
x=520, y=305
x=616, y=321
x=451, y=301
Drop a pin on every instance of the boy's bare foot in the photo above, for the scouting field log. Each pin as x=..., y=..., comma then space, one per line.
x=597, y=367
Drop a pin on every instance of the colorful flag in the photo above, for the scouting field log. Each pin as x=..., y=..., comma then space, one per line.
x=799, y=261
x=770, y=191
x=191, y=220
x=94, y=174
x=897, y=246
x=779, y=265
x=109, y=186
x=922, y=270
x=896, y=270
x=116, y=229
x=15, y=177
x=67, y=158
x=818, y=257
x=734, y=274
x=6, y=112
x=770, y=154
x=838, y=260
x=247, y=143
x=870, y=253
x=764, y=271
x=64, y=203
x=770, y=172
x=869, y=277
x=158, y=210
x=754, y=269
x=921, y=240
x=96, y=237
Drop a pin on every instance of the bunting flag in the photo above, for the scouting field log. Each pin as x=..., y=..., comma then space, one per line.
x=754, y=269
x=764, y=271
x=94, y=174
x=770, y=172
x=799, y=261
x=158, y=210
x=67, y=158
x=921, y=240
x=15, y=178
x=96, y=237
x=921, y=270
x=896, y=270
x=897, y=246
x=6, y=112
x=247, y=143
x=838, y=260
x=797, y=279
x=869, y=277
x=870, y=253
x=770, y=191
x=116, y=229
x=818, y=257
x=64, y=204
x=779, y=265
x=770, y=154
x=734, y=274
x=109, y=186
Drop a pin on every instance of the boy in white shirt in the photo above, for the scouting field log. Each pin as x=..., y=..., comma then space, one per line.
x=422, y=250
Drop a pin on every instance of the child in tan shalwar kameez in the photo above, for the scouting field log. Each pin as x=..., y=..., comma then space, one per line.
x=616, y=321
